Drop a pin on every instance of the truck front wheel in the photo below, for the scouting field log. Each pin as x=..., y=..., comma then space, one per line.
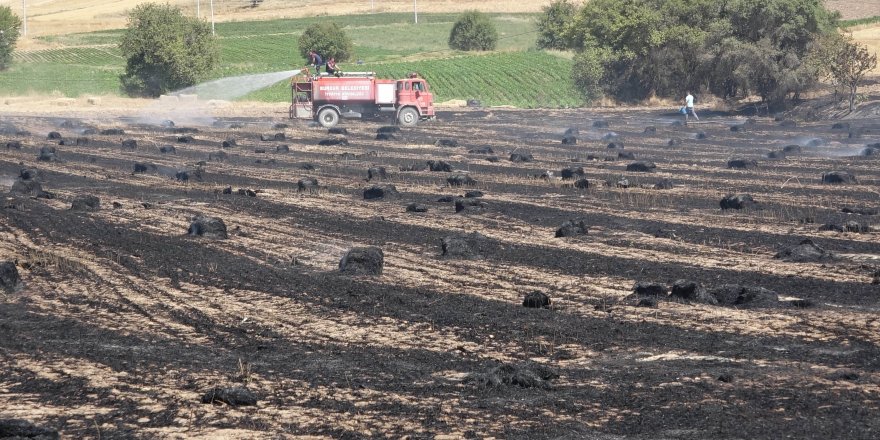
x=408, y=117
x=328, y=118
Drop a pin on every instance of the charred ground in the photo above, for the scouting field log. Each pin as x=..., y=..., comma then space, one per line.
x=124, y=322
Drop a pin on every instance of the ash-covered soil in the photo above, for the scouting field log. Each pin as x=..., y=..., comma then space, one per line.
x=129, y=318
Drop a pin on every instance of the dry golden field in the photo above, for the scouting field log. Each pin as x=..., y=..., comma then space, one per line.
x=53, y=17
x=850, y=9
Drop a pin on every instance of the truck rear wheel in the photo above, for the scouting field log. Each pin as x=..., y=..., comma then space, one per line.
x=408, y=117
x=328, y=118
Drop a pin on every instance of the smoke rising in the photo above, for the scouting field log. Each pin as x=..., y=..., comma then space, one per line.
x=819, y=147
x=808, y=141
x=836, y=149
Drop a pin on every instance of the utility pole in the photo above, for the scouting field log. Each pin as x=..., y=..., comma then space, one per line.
x=24, y=15
x=416, y=10
x=212, y=17
x=198, y=8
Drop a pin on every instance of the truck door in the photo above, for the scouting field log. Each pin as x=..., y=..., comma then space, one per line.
x=423, y=97
x=415, y=93
x=405, y=95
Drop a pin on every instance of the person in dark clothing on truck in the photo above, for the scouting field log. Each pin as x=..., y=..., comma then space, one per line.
x=331, y=66
x=316, y=60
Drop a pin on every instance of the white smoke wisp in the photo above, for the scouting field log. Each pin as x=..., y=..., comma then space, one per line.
x=836, y=149
x=807, y=141
x=194, y=106
x=186, y=113
x=665, y=121
x=818, y=147
x=593, y=134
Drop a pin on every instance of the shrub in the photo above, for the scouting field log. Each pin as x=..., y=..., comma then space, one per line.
x=553, y=24
x=473, y=31
x=587, y=73
x=328, y=39
x=165, y=50
x=9, y=28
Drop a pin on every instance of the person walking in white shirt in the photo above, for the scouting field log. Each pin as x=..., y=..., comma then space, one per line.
x=689, y=107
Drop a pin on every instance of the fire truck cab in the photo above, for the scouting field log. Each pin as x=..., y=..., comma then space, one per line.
x=328, y=98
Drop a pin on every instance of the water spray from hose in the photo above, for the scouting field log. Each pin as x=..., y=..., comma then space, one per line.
x=234, y=87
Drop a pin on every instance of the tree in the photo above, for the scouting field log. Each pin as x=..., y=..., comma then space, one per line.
x=732, y=48
x=845, y=62
x=9, y=31
x=624, y=32
x=626, y=27
x=165, y=50
x=673, y=65
x=473, y=31
x=588, y=73
x=553, y=24
x=822, y=55
x=852, y=63
x=770, y=42
x=327, y=39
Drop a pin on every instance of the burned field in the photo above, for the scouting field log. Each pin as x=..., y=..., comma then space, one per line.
x=508, y=274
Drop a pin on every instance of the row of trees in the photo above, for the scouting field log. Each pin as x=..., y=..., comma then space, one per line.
x=472, y=30
x=634, y=49
x=165, y=50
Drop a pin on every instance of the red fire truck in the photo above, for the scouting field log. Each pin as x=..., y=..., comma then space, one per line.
x=327, y=98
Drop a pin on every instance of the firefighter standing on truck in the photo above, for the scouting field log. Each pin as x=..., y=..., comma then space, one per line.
x=316, y=60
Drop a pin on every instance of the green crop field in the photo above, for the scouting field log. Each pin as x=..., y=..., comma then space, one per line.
x=389, y=44
x=859, y=21
x=525, y=79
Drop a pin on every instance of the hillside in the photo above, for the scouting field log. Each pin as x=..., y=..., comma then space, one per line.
x=58, y=17
x=515, y=75
x=869, y=36
x=853, y=9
